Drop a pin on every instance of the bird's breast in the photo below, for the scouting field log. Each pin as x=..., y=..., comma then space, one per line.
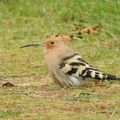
x=52, y=62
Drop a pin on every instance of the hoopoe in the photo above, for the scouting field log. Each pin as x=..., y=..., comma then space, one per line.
x=67, y=67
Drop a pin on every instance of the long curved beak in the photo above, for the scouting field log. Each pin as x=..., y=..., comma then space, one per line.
x=33, y=44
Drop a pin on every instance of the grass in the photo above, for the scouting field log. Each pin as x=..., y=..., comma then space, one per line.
x=35, y=96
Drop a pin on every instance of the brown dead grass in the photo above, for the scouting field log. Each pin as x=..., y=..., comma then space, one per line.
x=35, y=95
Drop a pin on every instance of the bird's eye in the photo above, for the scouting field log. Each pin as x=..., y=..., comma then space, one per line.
x=52, y=42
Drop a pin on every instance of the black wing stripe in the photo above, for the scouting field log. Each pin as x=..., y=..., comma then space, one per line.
x=62, y=65
x=68, y=57
x=80, y=59
x=77, y=64
x=88, y=74
x=88, y=69
x=72, y=71
x=97, y=77
x=83, y=72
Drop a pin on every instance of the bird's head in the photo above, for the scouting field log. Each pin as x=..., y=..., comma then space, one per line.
x=52, y=44
x=48, y=44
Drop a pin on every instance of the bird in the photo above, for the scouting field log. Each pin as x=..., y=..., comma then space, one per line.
x=66, y=67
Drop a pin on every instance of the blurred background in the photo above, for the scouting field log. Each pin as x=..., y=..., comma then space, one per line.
x=35, y=96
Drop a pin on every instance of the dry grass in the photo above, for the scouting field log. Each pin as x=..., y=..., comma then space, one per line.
x=41, y=99
x=35, y=96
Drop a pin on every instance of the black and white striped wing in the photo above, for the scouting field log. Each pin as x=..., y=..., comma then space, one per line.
x=74, y=65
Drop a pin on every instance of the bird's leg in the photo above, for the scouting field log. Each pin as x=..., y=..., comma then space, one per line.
x=97, y=83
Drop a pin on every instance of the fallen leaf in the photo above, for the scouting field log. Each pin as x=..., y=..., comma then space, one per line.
x=7, y=84
x=88, y=30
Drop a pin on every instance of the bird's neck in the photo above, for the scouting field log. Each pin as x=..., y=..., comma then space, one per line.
x=60, y=52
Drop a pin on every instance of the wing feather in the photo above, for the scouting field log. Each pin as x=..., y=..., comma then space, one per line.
x=78, y=67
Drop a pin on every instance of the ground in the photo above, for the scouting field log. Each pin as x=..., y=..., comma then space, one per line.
x=34, y=95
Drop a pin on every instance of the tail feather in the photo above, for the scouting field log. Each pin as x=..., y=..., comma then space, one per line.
x=96, y=74
x=112, y=77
